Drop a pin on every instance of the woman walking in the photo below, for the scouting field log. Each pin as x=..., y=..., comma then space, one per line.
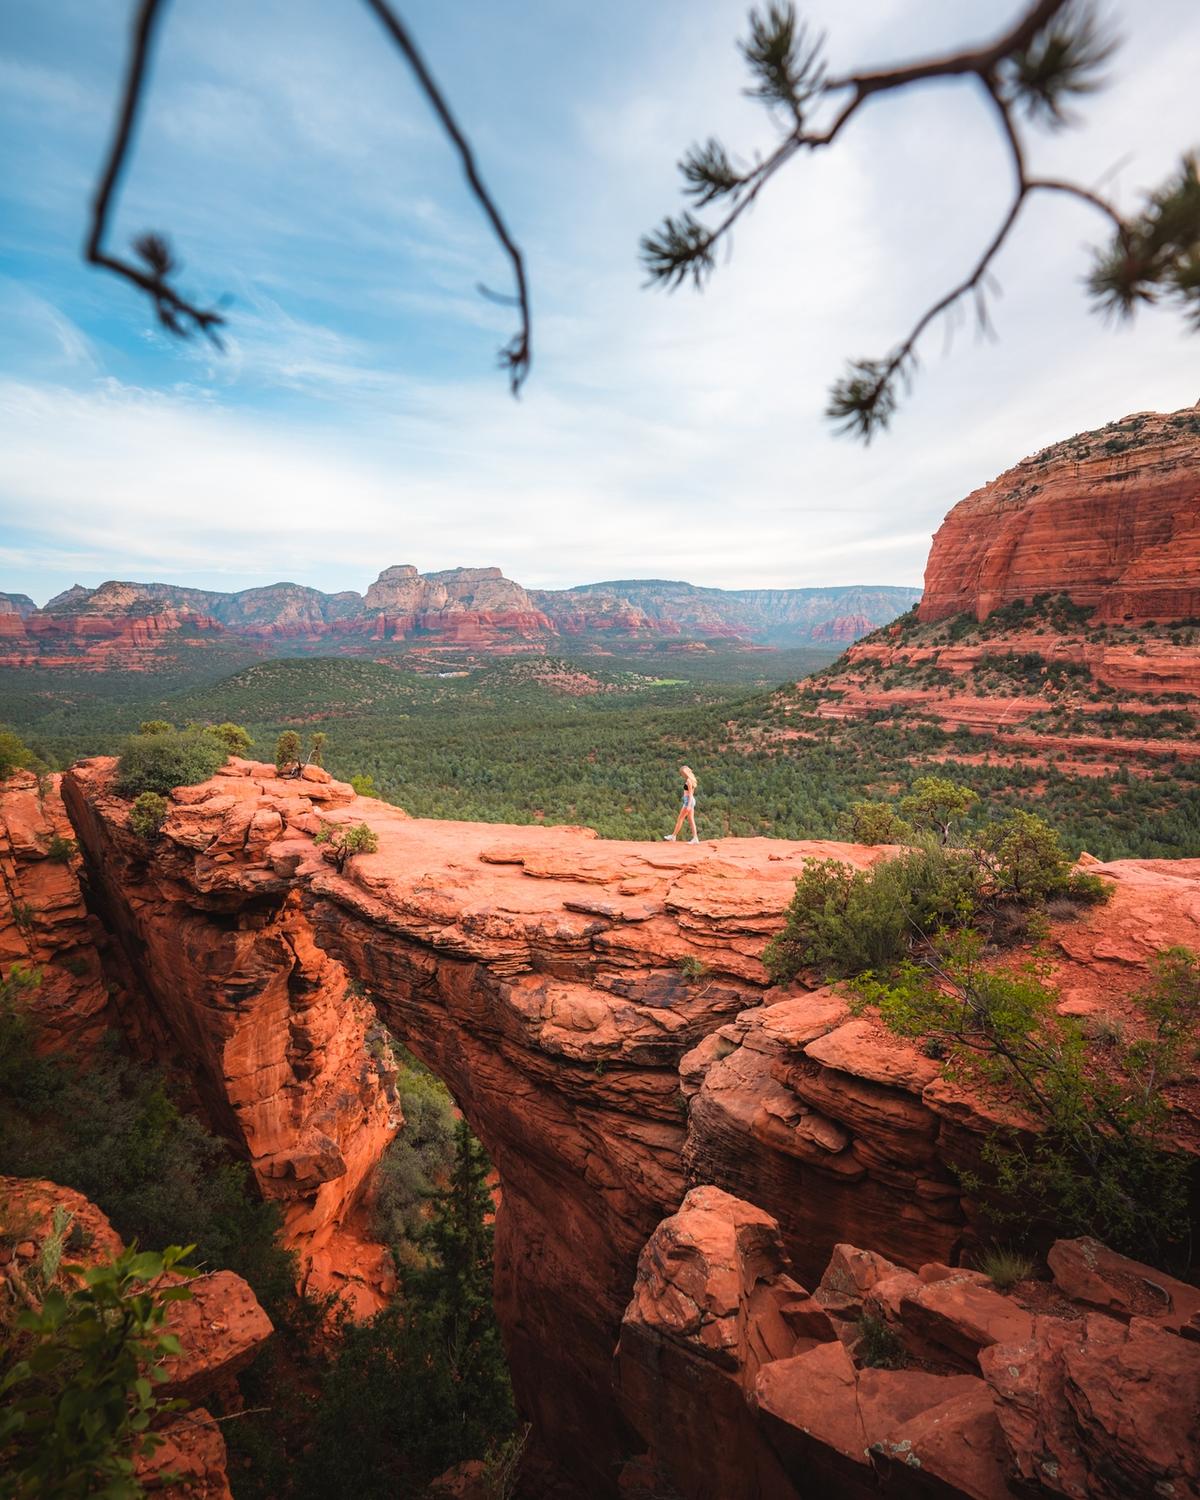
x=687, y=811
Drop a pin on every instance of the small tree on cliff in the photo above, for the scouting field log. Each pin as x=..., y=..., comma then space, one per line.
x=287, y=751
x=235, y=739
x=359, y=838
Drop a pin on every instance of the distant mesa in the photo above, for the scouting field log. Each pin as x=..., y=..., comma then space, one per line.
x=124, y=623
x=1061, y=613
x=1110, y=518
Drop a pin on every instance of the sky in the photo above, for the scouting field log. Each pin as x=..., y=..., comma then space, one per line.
x=357, y=417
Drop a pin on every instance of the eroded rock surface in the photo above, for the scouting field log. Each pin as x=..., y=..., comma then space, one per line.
x=993, y=1394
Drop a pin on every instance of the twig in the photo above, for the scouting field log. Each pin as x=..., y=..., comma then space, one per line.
x=517, y=354
x=175, y=313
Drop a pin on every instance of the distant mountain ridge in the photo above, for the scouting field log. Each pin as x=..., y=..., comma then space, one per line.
x=464, y=607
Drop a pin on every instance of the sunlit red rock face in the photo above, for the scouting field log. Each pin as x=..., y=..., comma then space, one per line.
x=258, y=1016
x=44, y=924
x=220, y=1329
x=537, y=971
x=1111, y=518
x=1104, y=531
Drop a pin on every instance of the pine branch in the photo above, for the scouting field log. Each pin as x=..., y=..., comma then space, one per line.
x=1055, y=51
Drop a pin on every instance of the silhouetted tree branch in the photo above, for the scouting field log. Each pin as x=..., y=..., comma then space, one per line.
x=156, y=265
x=1054, y=52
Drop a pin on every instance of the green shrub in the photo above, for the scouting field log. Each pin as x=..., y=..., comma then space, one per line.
x=160, y=762
x=78, y=1377
x=876, y=823
x=14, y=755
x=148, y=814
x=1100, y=1160
x=235, y=739
x=937, y=805
x=287, y=751
x=61, y=849
x=316, y=749
x=878, y=1345
x=1087, y=888
x=1005, y=1267
x=842, y=921
x=692, y=969
x=155, y=726
x=357, y=838
x=364, y=786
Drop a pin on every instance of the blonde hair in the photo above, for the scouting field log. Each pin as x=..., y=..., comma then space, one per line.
x=689, y=776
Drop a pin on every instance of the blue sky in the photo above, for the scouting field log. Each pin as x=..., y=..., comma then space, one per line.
x=357, y=419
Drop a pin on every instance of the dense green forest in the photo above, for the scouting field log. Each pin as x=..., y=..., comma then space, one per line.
x=597, y=740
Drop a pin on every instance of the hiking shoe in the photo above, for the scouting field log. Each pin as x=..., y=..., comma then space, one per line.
x=693, y=841
x=668, y=838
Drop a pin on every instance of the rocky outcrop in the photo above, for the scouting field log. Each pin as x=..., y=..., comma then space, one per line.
x=275, y=1044
x=45, y=926
x=893, y=1381
x=1061, y=612
x=221, y=1329
x=539, y=972
x=1111, y=518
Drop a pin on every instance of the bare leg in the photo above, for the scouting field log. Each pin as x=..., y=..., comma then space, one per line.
x=678, y=825
x=691, y=817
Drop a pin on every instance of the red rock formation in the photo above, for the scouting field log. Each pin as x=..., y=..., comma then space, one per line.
x=275, y=1046
x=1111, y=518
x=220, y=1330
x=44, y=924
x=777, y=1400
x=536, y=970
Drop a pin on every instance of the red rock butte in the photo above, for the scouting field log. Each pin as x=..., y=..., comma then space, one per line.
x=681, y=1135
x=1111, y=518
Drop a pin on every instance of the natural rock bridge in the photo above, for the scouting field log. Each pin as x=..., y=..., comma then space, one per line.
x=538, y=972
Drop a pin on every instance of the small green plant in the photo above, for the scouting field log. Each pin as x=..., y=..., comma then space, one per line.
x=316, y=749
x=345, y=842
x=364, y=786
x=692, y=969
x=877, y=1345
x=61, y=849
x=23, y=915
x=1005, y=1267
x=148, y=814
x=14, y=754
x=876, y=823
x=78, y=1387
x=155, y=726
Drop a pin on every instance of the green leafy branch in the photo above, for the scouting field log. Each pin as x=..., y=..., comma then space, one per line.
x=1052, y=55
x=79, y=1400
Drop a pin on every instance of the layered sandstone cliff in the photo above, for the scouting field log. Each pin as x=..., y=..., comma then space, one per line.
x=1111, y=518
x=538, y=972
x=137, y=625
